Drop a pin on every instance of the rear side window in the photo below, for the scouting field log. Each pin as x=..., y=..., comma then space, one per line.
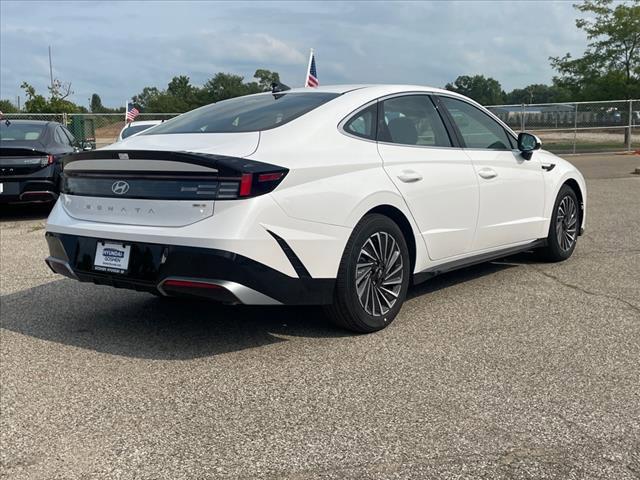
x=69, y=135
x=61, y=137
x=412, y=120
x=363, y=123
x=251, y=113
x=477, y=128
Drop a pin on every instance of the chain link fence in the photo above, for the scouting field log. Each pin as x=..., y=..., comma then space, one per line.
x=577, y=127
x=99, y=129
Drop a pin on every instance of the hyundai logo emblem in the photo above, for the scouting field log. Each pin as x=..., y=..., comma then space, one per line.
x=120, y=187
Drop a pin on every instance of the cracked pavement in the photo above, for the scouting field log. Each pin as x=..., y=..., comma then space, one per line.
x=508, y=370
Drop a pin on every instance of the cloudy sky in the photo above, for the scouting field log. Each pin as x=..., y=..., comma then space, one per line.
x=117, y=48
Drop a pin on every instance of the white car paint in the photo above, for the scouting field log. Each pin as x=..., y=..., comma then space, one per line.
x=458, y=202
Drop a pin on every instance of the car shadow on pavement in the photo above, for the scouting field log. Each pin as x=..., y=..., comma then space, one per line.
x=36, y=211
x=139, y=325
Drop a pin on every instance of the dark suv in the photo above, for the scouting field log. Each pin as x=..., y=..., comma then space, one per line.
x=30, y=151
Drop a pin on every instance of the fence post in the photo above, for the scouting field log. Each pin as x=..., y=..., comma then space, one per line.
x=575, y=127
x=522, y=123
x=630, y=124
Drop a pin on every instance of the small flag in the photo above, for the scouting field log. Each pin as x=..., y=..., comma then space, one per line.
x=312, y=73
x=132, y=112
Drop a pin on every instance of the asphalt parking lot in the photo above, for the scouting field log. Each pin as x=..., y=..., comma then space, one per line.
x=512, y=369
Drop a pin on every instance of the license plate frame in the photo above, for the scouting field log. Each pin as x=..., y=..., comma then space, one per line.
x=112, y=257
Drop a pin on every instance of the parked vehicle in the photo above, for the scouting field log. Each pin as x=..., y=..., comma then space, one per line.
x=30, y=153
x=132, y=128
x=341, y=196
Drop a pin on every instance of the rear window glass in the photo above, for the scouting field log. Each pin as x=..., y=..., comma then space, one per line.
x=245, y=114
x=20, y=131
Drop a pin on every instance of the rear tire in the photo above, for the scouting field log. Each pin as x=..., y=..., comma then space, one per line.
x=373, y=276
x=563, y=228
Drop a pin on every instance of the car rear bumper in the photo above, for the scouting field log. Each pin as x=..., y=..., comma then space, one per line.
x=174, y=270
x=38, y=187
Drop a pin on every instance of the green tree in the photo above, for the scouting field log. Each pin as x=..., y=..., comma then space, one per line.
x=224, y=86
x=146, y=98
x=7, y=107
x=266, y=78
x=486, y=91
x=34, y=103
x=537, y=93
x=610, y=66
x=57, y=103
x=96, y=104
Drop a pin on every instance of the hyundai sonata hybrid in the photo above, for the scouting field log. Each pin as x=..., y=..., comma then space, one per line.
x=341, y=196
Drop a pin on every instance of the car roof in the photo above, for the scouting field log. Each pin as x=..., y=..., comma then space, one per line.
x=31, y=122
x=370, y=86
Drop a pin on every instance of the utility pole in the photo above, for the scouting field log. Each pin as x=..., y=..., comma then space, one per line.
x=50, y=70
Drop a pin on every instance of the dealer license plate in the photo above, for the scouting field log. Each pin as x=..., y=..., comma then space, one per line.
x=112, y=257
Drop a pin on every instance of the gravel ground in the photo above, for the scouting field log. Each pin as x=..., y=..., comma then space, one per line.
x=513, y=369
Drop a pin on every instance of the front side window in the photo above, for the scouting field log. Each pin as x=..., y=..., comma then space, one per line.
x=412, y=120
x=363, y=123
x=251, y=113
x=478, y=130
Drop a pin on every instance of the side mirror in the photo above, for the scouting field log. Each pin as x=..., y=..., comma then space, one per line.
x=527, y=144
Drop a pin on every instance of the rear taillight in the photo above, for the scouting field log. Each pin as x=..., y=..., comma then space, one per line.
x=254, y=184
x=245, y=185
x=48, y=160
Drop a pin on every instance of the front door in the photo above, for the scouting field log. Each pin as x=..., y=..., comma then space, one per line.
x=511, y=187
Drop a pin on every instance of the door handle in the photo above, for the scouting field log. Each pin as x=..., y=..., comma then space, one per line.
x=487, y=173
x=409, y=176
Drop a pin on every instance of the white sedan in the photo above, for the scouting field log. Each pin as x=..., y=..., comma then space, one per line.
x=341, y=196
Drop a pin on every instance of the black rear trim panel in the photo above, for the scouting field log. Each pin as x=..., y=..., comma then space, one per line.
x=151, y=263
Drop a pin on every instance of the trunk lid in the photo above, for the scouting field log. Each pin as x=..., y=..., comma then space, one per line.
x=230, y=144
x=21, y=160
x=159, y=187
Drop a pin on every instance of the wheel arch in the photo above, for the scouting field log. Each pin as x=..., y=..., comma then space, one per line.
x=575, y=186
x=400, y=219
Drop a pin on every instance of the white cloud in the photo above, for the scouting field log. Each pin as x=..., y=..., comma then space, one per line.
x=395, y=42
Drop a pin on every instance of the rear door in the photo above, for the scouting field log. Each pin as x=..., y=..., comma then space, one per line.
x=511, y=187
x=436, y=179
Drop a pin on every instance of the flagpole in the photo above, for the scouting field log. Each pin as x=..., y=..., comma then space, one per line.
x=126, y=104
x=306, y=78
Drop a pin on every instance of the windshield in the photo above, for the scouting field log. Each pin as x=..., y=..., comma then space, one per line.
x=245, y=114
x=20, y=131
x=127, y=132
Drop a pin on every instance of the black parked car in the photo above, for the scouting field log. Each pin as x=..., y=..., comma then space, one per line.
x=30, y=151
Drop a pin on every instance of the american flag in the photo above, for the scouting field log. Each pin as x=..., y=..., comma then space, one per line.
x=132, y=112
x=312, y=76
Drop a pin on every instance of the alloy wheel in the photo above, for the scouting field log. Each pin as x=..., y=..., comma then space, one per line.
x=567, y=223
x=379, y=274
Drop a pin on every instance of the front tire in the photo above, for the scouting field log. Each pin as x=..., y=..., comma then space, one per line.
x=564, y=227
x=373, y=276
